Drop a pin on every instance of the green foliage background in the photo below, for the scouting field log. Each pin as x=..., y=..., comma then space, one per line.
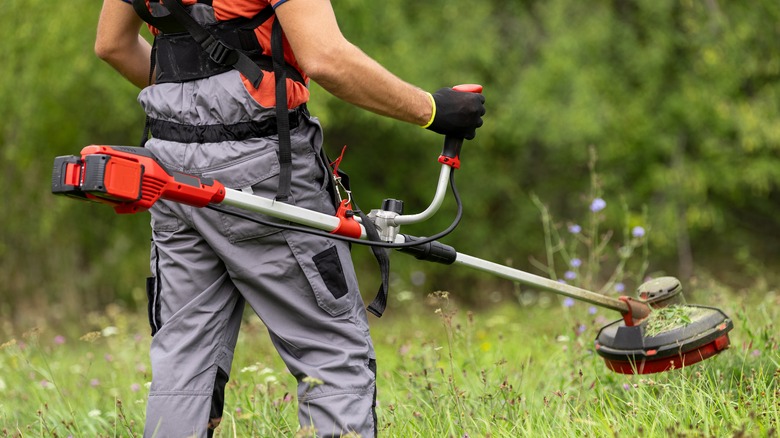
x=679, y=98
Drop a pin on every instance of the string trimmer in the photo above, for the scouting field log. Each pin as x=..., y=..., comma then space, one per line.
x=131, y=180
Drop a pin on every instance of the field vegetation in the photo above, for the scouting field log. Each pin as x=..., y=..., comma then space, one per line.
x=525, y=367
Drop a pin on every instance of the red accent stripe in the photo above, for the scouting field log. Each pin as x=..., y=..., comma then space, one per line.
x=649, y=366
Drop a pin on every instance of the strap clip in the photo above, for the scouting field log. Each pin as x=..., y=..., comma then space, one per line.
x=220, y=52
x=348, y=226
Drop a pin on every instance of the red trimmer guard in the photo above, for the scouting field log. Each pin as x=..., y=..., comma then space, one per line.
x=629, y=350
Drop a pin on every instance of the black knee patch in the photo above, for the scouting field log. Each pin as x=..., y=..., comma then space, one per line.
x=372, y=367
x=218, y=398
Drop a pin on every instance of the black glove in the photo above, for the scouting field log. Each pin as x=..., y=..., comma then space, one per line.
x=456, y=113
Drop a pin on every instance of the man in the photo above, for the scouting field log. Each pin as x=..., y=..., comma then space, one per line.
x=206, y=264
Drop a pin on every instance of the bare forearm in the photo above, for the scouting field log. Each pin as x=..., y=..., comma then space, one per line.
x=343, y=69
x=356, y=78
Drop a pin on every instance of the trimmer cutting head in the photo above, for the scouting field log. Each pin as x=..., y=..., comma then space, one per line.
x=673, y=336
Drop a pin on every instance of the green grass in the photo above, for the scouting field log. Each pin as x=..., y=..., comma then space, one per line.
x=444, y=371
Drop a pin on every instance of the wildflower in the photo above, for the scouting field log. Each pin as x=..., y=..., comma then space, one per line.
x=570, y=275
x=313, y=381
x=417, y=278
x=638, y=231
x=108, y=358
x=561, y=281
x=597, y=205
x=45, y=383
x=592, y=310
x=756, y=353
x=575, y=229
x=250, y=369
x=94, y=413
x=620, y=287
x=10, y=343
x=94, y=383
x=135, y=387
x=581, y=328
x=109, y=331
x=568, y=302
x=575, y=263
x=59, y=339
x=626, y=386
x=90, y=337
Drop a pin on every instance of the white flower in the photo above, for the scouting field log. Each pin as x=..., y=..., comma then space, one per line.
x=109, y=331
x=94, y=413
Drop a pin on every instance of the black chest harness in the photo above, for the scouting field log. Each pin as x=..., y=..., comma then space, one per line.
x=186, y=50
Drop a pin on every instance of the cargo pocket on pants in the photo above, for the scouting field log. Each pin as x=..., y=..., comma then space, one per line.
x=332, y=281
x=329, y=266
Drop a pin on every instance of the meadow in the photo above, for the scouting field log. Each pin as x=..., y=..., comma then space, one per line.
x=524, y=367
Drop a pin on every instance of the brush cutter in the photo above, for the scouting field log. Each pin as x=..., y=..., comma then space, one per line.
x=131, y=180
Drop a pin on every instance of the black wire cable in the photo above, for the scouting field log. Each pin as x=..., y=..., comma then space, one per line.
x=321, y=233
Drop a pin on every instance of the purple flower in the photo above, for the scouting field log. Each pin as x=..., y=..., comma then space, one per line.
x=570, y=275
x=135, y=387
x=575, y=229
x=638, y=231
x=581, y=328
x=568, y=302
x=94, y=383
x=592, y=310
x=620, y=287
x=597, y=205
x=756, y=353
x=59, y=339
x=626, y=386
x=575, y=263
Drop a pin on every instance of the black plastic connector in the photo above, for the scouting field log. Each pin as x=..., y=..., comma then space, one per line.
x=431, y=251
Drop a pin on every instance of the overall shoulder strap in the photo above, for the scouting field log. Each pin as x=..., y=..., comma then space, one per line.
x=180, y=20
x=218, y=51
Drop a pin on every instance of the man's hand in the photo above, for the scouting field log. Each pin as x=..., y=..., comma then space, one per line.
x=456, y=113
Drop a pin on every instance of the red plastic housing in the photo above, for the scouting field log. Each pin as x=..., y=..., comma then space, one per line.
x=132, y=180
x=648, y=365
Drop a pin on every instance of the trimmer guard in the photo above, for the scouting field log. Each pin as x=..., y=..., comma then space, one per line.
x=627, y=350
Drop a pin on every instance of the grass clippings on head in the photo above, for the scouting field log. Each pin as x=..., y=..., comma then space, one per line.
x=669, y=318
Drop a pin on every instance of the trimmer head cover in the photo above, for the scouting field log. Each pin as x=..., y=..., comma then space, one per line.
x=635, y=350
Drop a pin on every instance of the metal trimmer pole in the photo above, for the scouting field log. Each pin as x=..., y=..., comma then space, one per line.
x=543, y=283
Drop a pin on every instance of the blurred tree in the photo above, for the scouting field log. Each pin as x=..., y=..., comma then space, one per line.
x=679, y=98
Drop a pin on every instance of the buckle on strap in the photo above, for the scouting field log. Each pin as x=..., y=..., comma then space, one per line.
x=220, y=52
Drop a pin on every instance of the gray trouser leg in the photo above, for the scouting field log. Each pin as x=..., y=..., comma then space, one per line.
x=303, y=287
x=318, y=335
x=199, y=317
